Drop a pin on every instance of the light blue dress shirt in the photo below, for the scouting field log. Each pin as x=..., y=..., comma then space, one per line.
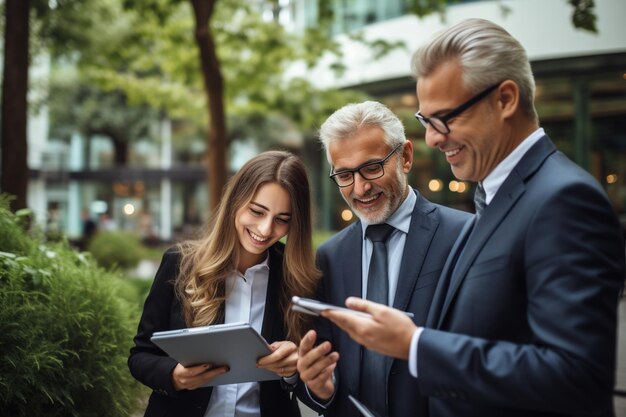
x=401, y=221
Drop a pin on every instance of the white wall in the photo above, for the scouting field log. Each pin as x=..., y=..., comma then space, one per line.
x=543, y=26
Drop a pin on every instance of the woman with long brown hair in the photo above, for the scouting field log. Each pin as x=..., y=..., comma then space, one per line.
x=239, y=271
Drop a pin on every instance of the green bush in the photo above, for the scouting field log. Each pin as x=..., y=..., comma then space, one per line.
x=116, y=249
x=65, y=330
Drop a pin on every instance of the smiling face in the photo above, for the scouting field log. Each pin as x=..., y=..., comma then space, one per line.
x=262, y=222
x=477, y=139
x=374, y=201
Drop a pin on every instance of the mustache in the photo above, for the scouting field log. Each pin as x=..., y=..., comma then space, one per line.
x=370, y=193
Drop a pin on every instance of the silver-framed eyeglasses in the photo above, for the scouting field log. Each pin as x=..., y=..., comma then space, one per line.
x=440, y=123
x=369, y=171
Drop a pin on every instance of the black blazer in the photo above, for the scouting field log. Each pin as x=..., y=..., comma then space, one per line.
x=431, y=235
x=162, y=311
x=526, y=322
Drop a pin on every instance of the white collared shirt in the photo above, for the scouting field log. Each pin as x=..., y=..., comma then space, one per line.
x=401, y=221
x=500, y=173
x=245, y=302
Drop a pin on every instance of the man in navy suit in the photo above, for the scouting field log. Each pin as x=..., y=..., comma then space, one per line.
x=523, y=321
x=370, y=158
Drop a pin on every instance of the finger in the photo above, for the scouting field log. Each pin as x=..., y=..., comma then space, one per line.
x=366, y=306
x=275, y=346
x=284, y=350
x=188, y=380
x=207, y=376
x=321, y=378
x=346, y=321
x=314, y=355
x=311, y=371
x=197, y=370
x=307, y=342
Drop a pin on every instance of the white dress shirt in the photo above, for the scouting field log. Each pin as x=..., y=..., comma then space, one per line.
x=491, y=184
x=245, y=303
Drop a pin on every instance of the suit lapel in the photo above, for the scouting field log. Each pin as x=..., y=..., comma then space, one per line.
x=351, y=255
x=491, y=217
x=350, y=252
x=272, y=317
x=434, y=313
x=424, y=223
x=504, y=200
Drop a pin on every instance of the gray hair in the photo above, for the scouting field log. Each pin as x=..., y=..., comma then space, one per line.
x=349, y=119
x=487, y=53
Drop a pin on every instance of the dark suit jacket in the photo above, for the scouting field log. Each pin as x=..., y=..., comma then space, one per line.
x=431, y=235
x=526, y=324
x=162, y=311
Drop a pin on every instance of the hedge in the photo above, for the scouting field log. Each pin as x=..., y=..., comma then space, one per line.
x=65, y=330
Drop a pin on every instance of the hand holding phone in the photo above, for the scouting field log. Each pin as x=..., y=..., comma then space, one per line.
x=314, y=307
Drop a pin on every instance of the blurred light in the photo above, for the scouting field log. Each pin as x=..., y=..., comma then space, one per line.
x=624, y=75
x=435, y=185
x=346, y=215
x=99, y=206
x=453, y=186
x=462, y=187
x=409, y=100
x=129, y=209
x=611, y=178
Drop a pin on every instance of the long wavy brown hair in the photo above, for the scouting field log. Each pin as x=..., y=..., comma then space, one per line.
x=207, y=262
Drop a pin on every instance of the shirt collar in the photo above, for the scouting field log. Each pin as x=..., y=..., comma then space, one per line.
x=401, y=218
x=500, y=173
x=250, y=272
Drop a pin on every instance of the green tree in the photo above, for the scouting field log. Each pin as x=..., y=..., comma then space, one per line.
x=239, y=56
x=78, y=105
x=58, y=26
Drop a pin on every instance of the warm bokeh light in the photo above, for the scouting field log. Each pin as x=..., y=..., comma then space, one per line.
x=435, y=185
x=129, y=209
x=453, y=186
x=611, y=178
x=409, y=100
x=346, y=215
x=462, y=187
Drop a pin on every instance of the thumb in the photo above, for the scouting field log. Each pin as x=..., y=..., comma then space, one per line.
x=359, y=304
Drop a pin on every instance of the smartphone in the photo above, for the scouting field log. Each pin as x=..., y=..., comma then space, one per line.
x=314, y=307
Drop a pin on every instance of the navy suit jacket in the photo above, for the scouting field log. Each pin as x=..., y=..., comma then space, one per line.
x=432, y=233
x=525, y=325
x=162, y=311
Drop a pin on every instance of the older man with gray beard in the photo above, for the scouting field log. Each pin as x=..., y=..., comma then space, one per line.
x=393, y=255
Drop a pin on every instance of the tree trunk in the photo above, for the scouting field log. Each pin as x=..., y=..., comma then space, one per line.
x=14, y=175
x=120, y=146
x=214, y=87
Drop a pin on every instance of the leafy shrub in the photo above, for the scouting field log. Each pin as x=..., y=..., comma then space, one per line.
x=65, y=330
x=116, y=249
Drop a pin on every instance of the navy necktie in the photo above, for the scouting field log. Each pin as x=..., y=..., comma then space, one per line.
x=373, y=383
x=479, y=199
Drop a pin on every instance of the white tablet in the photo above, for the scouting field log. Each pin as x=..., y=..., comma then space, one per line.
x=236, y=345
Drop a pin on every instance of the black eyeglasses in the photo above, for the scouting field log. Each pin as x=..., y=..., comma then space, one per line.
x=368, y=170
x=440, y=123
